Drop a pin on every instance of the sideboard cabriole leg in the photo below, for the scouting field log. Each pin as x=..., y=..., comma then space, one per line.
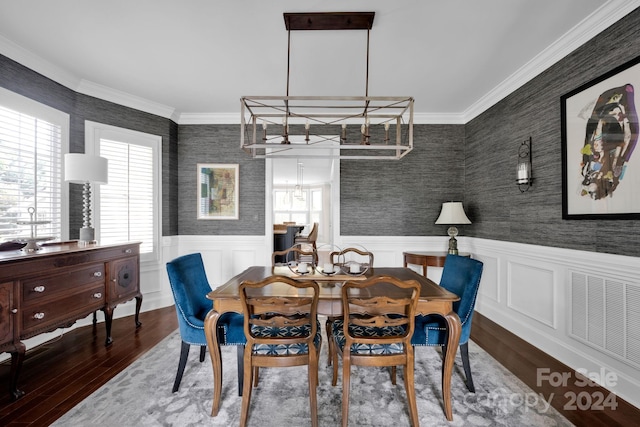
x=17, y=357
x=108, y=318
x=138, y=305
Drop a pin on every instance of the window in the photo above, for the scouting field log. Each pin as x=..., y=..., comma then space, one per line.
x=128, y=206
x=306, y=209
x=33, y=138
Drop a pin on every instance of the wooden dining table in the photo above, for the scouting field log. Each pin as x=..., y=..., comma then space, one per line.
x=433, y=300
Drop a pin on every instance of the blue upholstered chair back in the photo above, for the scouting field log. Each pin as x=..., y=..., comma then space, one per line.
x=190, y=286
x=461, y=275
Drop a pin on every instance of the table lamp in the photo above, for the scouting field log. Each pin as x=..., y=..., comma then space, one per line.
x=452, y=214
x=85, y=169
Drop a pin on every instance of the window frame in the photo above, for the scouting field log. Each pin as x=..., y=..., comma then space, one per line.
x=95, y=131
x=31, y=107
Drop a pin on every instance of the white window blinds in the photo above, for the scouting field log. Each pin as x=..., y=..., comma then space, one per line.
x=127, y=202
x=30, y=175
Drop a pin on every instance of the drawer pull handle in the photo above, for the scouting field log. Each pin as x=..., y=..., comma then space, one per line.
x=97, y=295
x=97, y=274
x=38, y=316
x=39, y=289
x=127, y=251
x=14, y=310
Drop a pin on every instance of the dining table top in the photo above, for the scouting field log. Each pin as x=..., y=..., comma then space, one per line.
x=330, y=285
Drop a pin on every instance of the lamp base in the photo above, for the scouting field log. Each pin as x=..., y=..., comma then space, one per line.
x=87, y=234
x=453, y=246
x=453, y=243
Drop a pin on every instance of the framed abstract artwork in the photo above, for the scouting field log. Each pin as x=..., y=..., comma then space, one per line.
x=218, y=195
x=600, y=172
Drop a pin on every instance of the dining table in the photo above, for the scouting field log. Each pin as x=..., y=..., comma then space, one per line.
x=433, y=299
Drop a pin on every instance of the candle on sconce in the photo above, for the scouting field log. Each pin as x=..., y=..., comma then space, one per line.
x=306, y=125
x=343, y=137
x=362, y=129
x=386, y=126
x=264, y=125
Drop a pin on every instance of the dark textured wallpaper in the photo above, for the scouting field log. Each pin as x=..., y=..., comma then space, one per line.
x=403, y=197
x=218, y=144
x=26, y=82
x=500, y=211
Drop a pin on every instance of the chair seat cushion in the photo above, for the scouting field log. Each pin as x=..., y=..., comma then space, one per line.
x=360, y=331
x=284, y=349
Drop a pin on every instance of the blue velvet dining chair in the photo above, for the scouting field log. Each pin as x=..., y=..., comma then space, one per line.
x=190, y=287
x=461, y=275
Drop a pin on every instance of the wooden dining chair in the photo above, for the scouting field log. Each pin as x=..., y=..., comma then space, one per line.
x=294, y=253
x=281, y=331
x=376, y=331
x=309, y=239
x=351, y=254
x=341, y=259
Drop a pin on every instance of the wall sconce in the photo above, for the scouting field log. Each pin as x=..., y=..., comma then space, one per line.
x=524, y=180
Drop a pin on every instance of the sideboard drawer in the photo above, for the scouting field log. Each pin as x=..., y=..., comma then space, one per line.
x=40, y=317
x=42, y=287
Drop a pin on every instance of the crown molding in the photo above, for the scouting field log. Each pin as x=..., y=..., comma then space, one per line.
x=601, y=19
x=24, y=57
x=96, y=90
x=209, y=118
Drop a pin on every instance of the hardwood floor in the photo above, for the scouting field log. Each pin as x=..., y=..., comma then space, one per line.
x=523, y=360
x=59, y=374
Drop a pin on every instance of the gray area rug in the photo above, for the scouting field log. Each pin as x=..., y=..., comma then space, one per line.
x=141, y=395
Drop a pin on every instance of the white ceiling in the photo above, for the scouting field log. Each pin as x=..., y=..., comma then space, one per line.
x=193, y=60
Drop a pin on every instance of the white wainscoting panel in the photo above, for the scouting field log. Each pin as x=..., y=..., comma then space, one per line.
x=490, y=282
x=543, y=308
x=530, y=291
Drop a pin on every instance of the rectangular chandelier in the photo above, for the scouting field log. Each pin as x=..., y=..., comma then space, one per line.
x=344, y=127
x=349, y=127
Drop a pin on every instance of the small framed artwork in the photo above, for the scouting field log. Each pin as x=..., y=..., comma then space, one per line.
x=218, y=196
x=600, y=162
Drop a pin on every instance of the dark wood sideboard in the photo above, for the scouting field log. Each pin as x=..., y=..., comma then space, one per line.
x=59, y=284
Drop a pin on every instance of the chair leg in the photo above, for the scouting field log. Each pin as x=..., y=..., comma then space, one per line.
x=334, y=356
x=184, y=353
x=203, y=350
x=411, y=394
x=246, y=388
x=393, y=375
x=240, y=350
x=313, y=384
x=256, y=372
x=329, y=340
x=346, y=379
x=464, y=354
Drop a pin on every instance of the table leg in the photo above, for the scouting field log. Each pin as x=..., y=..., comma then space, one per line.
x=453, y=340
x=210, y=328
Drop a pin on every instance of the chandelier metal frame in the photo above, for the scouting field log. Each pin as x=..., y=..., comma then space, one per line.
x=344, y=127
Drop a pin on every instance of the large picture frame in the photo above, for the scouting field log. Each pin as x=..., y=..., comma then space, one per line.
x=218, y=191
x=600, y=172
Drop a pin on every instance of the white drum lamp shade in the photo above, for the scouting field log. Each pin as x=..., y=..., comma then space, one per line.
x=86, y=169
